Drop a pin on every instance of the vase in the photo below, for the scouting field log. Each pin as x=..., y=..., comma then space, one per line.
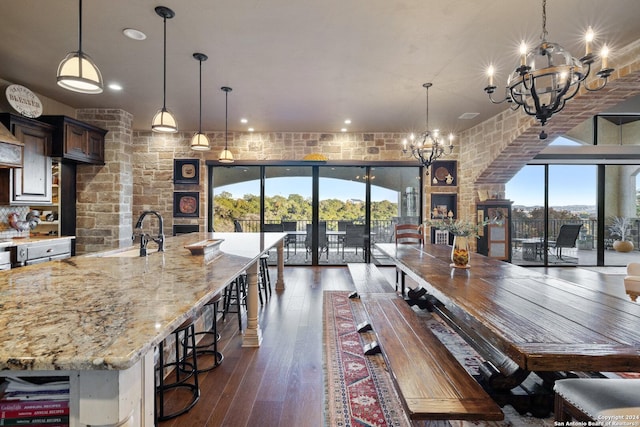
x=460, y=252
x=623, y=246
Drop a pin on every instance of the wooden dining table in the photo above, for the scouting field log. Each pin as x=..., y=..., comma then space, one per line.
x=523, y=319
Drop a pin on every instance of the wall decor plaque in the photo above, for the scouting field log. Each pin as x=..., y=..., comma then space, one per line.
x=186, y=204
x=186, y=171
x=24, y=101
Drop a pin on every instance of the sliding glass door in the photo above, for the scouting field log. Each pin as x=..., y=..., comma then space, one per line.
x=332, y=214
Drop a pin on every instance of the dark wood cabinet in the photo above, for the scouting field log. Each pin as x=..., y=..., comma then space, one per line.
x=76, y=141
x=495, y=237
x=31, y=183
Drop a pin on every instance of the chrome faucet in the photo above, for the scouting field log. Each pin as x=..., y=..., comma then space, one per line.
x=144, y=237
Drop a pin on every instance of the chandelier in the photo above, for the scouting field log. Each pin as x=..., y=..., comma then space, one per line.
x=427, y=146
x=548, y=76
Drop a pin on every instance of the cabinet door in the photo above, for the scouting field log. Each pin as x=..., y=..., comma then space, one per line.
x=95, y=147
x=32, y=183
x=74, y=141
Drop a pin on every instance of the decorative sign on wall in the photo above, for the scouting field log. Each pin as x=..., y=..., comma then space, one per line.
x=24, y=101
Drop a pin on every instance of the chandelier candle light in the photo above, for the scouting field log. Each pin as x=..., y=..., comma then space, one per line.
x=427, y=147
x=548, y=76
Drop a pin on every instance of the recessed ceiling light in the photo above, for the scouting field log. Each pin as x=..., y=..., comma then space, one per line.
x=134, y=34
x=250, y=129
x=347, y=122
x=114, y=86
x=244, y=121
x=343, y=130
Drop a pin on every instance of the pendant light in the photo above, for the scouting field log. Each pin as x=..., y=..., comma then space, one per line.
x=225, y=155
x=77, y=71
x=200, y=142
x=164, y=121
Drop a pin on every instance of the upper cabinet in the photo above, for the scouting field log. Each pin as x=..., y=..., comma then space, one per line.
x=76, y=141
x=31, y=183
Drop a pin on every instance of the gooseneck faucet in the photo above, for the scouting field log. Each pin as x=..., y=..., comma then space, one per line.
x=144, y=237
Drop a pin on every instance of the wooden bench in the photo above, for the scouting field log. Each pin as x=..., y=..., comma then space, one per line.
x=431, y=383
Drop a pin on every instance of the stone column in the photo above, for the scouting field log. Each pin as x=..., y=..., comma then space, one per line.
x=105, y=193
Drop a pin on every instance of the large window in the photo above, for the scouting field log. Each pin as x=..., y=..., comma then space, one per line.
x=333, y=214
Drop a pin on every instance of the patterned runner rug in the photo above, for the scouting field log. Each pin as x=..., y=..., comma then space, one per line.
x=358, y=388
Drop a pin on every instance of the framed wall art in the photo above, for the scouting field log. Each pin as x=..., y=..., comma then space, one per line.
x=186, y=204
x=186, y=171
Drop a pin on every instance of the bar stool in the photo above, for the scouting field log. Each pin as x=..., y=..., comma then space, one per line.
x=185, y=367
x=235, y=295
x=203, y=346
x=265, y=280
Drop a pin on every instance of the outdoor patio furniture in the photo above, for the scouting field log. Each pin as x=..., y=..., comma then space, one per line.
x=566, y=238
x=323, y=241
x=354, y=238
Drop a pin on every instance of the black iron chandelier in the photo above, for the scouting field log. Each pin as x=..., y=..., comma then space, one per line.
x=548, y=76
x=427, y=146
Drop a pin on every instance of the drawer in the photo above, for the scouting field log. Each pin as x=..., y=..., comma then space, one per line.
x=5, y=260
x=43, y=250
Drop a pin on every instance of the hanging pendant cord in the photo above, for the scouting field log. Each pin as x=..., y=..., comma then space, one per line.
x=164, y=78
x=544, y=34
x=80, y=27
x=200, y=124
x=226, y=116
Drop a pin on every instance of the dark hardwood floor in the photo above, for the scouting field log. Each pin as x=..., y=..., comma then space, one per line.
x=281, y=383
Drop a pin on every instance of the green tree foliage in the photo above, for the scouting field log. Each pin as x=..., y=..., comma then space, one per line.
x=293, y=208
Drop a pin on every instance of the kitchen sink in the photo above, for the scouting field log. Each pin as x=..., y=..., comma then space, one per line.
x=127, y=253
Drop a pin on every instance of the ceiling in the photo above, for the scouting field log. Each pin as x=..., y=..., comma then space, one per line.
x=300, y=66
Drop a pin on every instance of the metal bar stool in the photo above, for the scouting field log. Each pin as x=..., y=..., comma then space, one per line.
x=204, y=344
x=265, y=280
x=185, y=367
x=235, y=294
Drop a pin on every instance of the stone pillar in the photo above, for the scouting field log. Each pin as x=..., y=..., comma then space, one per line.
x=105, y=193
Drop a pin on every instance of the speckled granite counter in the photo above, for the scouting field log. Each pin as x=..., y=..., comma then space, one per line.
x=97, y=318
x=104, y=312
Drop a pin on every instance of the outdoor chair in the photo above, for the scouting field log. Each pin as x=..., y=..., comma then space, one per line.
x=291, y=239
x=278, y=228
x=354, y=238
x=323, y=241
x=342, y=226
x=237, y=227
x=566, y=238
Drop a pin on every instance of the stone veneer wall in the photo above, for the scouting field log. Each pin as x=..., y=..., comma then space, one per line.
x=153, y=156
x=104, y=193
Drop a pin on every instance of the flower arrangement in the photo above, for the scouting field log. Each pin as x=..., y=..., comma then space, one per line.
x=457, y=227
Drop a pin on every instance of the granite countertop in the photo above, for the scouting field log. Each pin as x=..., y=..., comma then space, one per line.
x=105, y=310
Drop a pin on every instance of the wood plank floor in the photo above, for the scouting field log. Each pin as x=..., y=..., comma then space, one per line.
x=281, y=383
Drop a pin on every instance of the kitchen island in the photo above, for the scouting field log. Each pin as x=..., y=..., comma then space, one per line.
x=97, y=318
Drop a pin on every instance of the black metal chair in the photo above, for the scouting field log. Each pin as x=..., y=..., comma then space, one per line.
x=237, y=227
x=291, y=239
x=566, y=238
x=323, y=241
x=354, y=238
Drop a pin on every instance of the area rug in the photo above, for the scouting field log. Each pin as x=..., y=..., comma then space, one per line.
x=358, y=388
x=359, y=391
